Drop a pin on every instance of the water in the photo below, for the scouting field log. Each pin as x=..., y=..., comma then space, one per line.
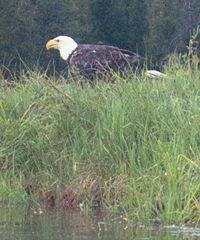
x=17, y=222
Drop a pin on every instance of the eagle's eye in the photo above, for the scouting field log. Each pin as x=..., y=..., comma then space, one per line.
x=57, y=40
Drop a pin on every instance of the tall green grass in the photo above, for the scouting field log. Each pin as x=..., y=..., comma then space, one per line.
x=137, y=139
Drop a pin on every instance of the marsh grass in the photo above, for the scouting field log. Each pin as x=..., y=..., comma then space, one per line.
x=132, y=145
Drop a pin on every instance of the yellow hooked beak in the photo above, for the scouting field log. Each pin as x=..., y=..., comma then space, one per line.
x=51, y=44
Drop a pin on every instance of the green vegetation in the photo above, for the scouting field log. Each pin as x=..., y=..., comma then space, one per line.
x=133, y=145
x=152, y=28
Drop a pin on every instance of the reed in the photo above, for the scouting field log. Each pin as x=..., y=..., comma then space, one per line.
x=132, y=145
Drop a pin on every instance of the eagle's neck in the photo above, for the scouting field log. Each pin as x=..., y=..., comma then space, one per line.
x=67, y=50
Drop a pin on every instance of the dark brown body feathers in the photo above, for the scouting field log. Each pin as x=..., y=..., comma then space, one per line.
x=100, y=60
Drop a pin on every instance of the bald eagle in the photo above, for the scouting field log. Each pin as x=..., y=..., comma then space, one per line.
x=91, y=60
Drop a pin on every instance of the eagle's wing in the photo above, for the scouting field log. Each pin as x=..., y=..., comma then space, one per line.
x=94, y=59
x=133, y=58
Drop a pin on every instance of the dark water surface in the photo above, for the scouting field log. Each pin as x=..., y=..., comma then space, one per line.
x=21, y=223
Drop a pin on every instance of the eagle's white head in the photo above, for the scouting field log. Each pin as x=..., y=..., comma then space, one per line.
x=66, y=45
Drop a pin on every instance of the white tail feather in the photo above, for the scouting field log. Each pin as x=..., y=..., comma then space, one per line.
x=155, y=74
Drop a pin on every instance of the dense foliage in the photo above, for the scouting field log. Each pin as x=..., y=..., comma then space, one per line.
x=134, y=144
x=154, y=28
